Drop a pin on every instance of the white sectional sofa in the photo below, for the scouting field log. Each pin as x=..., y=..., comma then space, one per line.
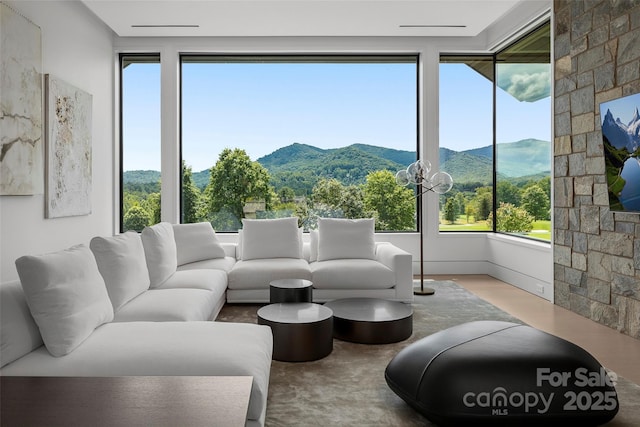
x=143, y=304
x=341, y=258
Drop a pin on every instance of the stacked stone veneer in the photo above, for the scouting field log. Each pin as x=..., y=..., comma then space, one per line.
x=596, y=251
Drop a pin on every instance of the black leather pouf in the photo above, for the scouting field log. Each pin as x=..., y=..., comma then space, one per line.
x=499, y=373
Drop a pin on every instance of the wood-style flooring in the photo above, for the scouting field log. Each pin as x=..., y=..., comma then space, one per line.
x=614, y=350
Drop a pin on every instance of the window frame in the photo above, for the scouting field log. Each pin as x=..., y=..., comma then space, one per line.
x=495, y=55
x=410, y=57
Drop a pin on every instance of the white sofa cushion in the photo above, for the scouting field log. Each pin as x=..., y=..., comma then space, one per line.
x=340, y=238
x=123, y=266
x=257, y=273
x=209, y=280
x=271, y=238
x=351, y=274
x=19, y=333
x=164, y=348
x=196, y=242
x=160, y=252
x=169, y=305
x=66, y=296
x=223, y=264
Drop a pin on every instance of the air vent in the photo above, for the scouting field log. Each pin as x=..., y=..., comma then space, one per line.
x=431, y=26
x=165, y=26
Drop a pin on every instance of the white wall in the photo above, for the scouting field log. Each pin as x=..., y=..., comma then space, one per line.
x=78, y=49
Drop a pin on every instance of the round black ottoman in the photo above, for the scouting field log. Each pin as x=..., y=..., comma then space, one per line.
x=499, y=373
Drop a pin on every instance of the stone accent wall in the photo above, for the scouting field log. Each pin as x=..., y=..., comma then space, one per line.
x=596, y=252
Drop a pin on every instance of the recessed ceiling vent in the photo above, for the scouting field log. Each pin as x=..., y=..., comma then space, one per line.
x=165, y=26
x=431, y=26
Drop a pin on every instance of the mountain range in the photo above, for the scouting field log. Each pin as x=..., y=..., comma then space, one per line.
x=299, y=165
x=622, y=135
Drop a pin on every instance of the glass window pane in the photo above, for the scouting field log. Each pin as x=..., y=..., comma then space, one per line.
x=523, y=134
x=305, y=136
x=466, y=141
x=140, y=141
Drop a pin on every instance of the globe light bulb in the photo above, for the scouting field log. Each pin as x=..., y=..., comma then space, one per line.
x=418, y=171
x=441, y=182
x=402, y=178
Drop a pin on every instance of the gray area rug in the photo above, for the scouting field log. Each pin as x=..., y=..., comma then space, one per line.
x=347, y=388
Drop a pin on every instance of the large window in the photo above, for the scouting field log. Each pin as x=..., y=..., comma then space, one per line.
x=495, y=131
x=140, y=141
x=310, y=136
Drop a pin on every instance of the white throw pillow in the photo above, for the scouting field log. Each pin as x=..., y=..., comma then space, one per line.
x=313, y=245
x=196, y=242
x=123, y=266
x=345, y=238
x=66, y=295
x=160, y=252
x=271, y=238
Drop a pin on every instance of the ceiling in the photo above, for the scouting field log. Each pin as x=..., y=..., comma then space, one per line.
x=166, y=18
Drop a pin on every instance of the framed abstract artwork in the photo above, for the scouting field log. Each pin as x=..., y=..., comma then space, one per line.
x=621, y=141
x=68, y=149
x=21, y=152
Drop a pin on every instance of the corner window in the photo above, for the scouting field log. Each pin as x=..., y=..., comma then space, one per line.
x=495, y=132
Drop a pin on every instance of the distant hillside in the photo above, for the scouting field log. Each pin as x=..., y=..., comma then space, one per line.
x=300, y=166
x=141, y=177
x=464, y=167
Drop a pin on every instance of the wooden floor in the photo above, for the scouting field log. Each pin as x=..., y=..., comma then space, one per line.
x=614, y=350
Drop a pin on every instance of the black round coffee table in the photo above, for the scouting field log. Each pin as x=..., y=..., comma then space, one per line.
x=371, y=320
x=301, y=331
x=290, y=290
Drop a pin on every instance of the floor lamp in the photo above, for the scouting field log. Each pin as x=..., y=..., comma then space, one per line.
x=417, y=173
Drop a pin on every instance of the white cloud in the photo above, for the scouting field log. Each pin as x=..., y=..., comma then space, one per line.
x=525, y=82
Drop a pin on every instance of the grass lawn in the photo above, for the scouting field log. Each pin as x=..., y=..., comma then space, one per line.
x=541, y=229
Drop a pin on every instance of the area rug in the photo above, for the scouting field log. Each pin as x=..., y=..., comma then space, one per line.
x=347, y=388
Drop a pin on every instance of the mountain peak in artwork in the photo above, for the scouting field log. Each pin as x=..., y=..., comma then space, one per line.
x=619, y=135
x=633, y=129
x=635, y=118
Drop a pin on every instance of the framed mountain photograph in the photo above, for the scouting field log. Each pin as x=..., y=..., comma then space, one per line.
x=621, y=140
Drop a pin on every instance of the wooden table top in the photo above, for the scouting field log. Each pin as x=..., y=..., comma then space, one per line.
x=124, y=401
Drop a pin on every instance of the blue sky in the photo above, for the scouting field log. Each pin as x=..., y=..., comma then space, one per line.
x=261, y=107
x=622, y=108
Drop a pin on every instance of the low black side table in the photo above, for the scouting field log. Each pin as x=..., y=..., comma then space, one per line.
x=290, y=290
x=301, y=331
x=371, y=320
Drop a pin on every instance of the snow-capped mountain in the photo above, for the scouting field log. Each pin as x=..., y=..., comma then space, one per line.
x=621, y=135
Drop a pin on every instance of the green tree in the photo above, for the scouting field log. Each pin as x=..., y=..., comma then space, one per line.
x=328, y=191
x=136, y=218
x=450, y=211
x=506, y=192
x=352, y=203
x=395, y=205
x=536, y=202
x=470, y=211
x=190, y=196
x=460, y=203
x=512, y=219
x=152, y=205
x=236, y=179
x=483, y=202
x=331, y=198
x=286, y=195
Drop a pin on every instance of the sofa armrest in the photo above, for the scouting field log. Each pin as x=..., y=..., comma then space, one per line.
x=400, y=262
x=229, y=249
